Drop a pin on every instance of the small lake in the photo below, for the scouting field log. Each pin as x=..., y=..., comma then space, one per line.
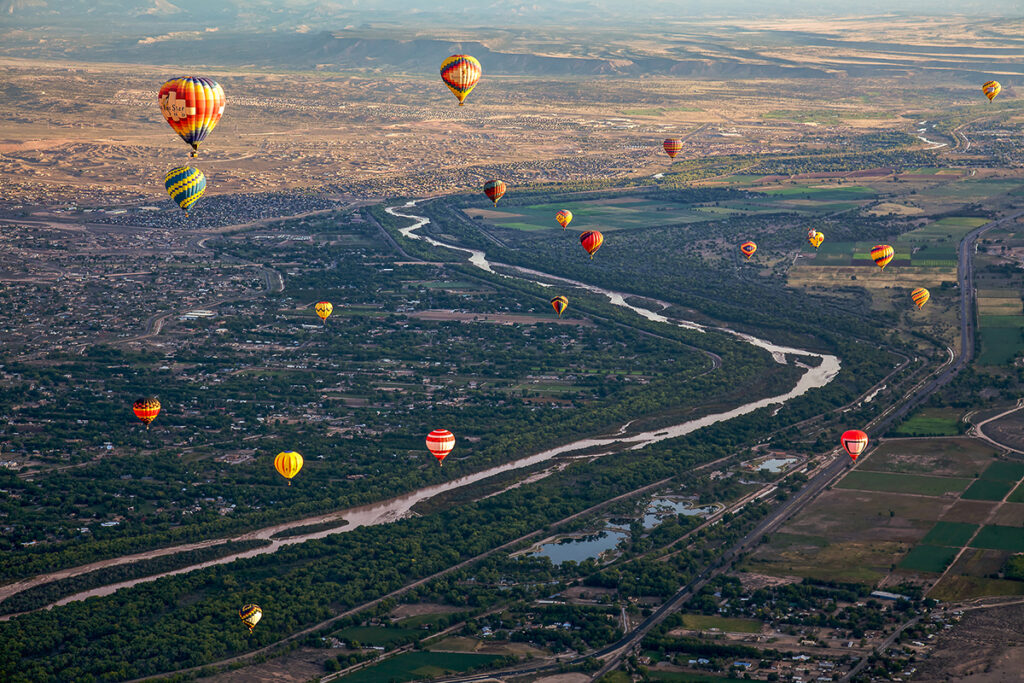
x=660, y=509
x=580, y=549
x=776, y=465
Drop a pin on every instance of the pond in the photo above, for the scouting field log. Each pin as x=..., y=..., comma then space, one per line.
x=580, y=549
x=660, y=509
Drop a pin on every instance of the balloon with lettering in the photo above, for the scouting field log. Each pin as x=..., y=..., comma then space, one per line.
x=461, y=73
x=560, y=303
x=920, y=296
x=192, y=106
x=991, y=89
x=748, y=249
x=854, y=441
x=564, y=218
x=591, y=241
x=288, y=464
x=324, y=309
x=881, y=254
x=146, y=409
x=250, y=615
x=440, y=442
x=495, y=190
x=186, y=185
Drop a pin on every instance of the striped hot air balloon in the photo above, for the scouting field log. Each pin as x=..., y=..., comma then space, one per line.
x=146, y=409
x=440, y=442
x=564, y=218
x=591, y=241
x=495, y=190
x=991, y=89
x=854, y=441
x=192, y=106
x=882, y=254
x=560, y=303
x=920, y=296
x=185, y=185
x=748, y=249
x=288, y=464
x=461, y=74
x=250, y=615
x=323, y=309
x=673, y=146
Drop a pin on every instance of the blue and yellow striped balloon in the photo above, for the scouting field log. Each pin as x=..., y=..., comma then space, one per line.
x=185, y=185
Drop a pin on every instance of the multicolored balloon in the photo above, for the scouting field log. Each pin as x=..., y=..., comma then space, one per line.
x=192, y=106
x=882, y=254
x=564, y=218
x=461, y=73
x=673, y=146
x=186, y=185
x=920, y=296
x=440, y=442
x=748, y=249
x=560, y=303
x=288, y=464
x=591, y=241
x=146, y=409
x=495, y=190
x=854, y=441
x=250, y=615
x=991, y=89
x=324, y=309
x=815, y=238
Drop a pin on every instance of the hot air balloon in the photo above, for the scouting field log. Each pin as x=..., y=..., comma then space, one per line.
x=461, y=74
x=250, y=615
x=146, y=409
x=591, y=241
x=991, y=89
x=440, y=442
x=882, y=254
x=673, y=146
x=920, y=296
x=560, y=303
x=288, y=464
x=192, y=106
x=323, y=309
x=495, y=190
x=185, y=185
x=564, y=218
x=854, y=441
x=748, y=249
x=815, y=238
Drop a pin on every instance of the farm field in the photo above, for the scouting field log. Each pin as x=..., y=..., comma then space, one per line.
x=931, y=422
x=413, y=666
x=955, y=457
x=376, y=635
x=1000, y=538
x=726, y=624
x=903, y=483
x=952, y=534
x=988, y=489
x=928, y=558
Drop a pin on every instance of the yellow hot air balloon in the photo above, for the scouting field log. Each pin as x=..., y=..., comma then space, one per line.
x=920, y=296
x=323, y=309
x=288, y=464
x=815, y=237
x=991, y=89
x=461, y=74
x=881, y=254
x=560, y=303
x=250, y=615
x=564, y=217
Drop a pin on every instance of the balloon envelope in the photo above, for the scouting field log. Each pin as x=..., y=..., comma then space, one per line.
x=564, y=218
x=591, y=241
x=185, y=185
x=815, y=238
x=748, y=249
x=440, y=442
x=991, y=89
x=672, y=147
x=920, y=296
x=146, y=409
x=560, y=303
x=495, y=190
x=882, y=254
x=288, y=464
x=192, y=106
x=323, y=309
x=461, y=74
x=854, y=441
x=250, y=615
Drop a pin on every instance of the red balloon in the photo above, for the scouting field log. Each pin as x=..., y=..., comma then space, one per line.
x=591, y=241
x=495, y=190
x=854, y=441
x=440, y=442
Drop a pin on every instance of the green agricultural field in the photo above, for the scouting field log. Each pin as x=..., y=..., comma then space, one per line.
x=376, y=635
x=937, y=457
x=1006, y=471
x=704, y=622
x=928, y=558
x=414, y=666
x=687, y=677
x=988, y=489
x=956, y=588
x=951, y=534
x=999, y=345
x=931, y=422
x=902, y=483
x=1000, y=538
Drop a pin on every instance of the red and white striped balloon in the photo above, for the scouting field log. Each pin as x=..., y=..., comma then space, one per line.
x=440, y=442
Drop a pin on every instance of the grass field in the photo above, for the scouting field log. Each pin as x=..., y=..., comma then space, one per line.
x=1000, y=538
x=988, y=489
x=376, y=635
x=902, y=483
x=931, y=422
x=729, y=625
x=953, y=588
x=928, y=558
x=1000, y=344
x=414, y=666
x=952, y=534
x=937, y=457
x=1004, y=471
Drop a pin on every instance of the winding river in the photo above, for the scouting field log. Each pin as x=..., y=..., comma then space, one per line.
x=387, y=511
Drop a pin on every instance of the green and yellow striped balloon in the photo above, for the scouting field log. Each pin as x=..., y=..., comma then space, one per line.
x=185, y=185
